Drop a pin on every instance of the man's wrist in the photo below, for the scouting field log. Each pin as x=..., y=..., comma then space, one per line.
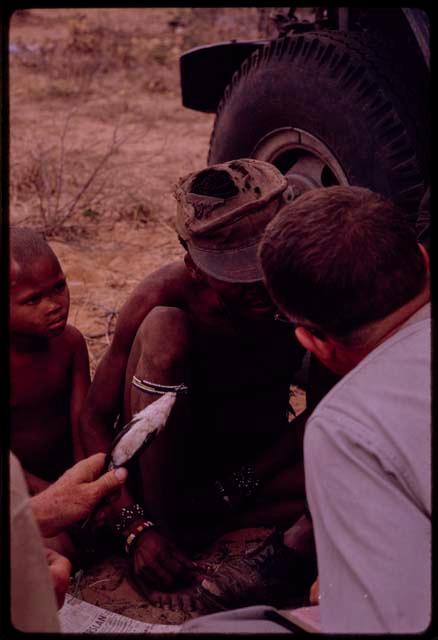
x=134, y=532
x=129, y=514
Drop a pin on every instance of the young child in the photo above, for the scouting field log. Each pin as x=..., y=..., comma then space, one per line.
x=48, y=363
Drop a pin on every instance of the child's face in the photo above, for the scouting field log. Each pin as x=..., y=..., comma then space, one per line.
x=39, y=299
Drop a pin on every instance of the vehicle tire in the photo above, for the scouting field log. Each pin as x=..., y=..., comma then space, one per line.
x=332, y=101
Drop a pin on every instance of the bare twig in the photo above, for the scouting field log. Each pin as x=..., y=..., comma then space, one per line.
x=94, y=336
x=71, y=207
x=60, y=172
x=111, y=316
x=50, y=169
x=84, y=303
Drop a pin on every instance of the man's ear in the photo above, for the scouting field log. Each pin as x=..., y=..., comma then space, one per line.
x=195, y=273
x=321, y=347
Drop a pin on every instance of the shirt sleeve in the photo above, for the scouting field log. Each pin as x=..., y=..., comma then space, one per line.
x=373, y=542
x=33, y=602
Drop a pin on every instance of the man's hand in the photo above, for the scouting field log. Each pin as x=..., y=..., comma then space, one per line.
x=60, y=570
x=34, y=483
x=314, y=592
x=157, y=562
x=75, y=494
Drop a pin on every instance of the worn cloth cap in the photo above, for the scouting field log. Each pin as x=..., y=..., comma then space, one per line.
x=223, y=231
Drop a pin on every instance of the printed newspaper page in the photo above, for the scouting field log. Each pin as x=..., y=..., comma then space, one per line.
x=77, y=616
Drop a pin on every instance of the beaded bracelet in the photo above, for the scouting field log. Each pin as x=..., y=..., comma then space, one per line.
x=127, y=515
x=243, y=482
x=239, y=485
x=147, y=524
x=220, y=488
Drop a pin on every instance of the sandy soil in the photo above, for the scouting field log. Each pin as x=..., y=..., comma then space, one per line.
x=98, y=138
x=107, y=583
x=76, y=76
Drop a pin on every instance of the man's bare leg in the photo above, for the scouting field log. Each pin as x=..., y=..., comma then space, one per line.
x=160, y=355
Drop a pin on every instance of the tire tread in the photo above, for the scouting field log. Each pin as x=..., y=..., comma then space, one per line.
x=367, y=77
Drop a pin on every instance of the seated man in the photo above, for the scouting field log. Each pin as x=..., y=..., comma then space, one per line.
x=49, y=367
x=205, y=327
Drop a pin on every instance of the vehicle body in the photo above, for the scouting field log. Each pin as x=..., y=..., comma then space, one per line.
x=341, y=99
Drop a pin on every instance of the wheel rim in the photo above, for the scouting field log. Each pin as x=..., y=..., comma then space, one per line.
x=306, y=162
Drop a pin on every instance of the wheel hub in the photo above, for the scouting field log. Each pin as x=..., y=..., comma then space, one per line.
x=305, y=174
x=305, y=160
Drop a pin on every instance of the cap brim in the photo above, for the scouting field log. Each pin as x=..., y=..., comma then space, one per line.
x=236, y=265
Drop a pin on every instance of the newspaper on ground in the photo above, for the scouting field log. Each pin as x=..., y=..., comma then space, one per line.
x=78, y=616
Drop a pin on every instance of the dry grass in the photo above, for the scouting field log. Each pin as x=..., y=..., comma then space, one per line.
x=65, y=181
x=63, y=185
x=99, y=137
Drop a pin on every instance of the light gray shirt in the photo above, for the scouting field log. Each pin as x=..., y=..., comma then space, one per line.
x=367, y=452
x=33, y=601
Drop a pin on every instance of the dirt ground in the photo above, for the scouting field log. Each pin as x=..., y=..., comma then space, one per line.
x=77, y=78
x=107, y=582
x=98, y=138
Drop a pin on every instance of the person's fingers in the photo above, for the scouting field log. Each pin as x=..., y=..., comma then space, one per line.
x=160, y=598
x=173, y=565
x=174, y=602
x=184, y=560
x=204, y=567
x=109, y=482
x=159, y=572
x=314, y=592
x=185, y=602
x=198, y=575
x=153, y=579
x=50, y=555
x=143, y=573
x=60, y=570
x=88, y=469
x=142, y=581
x=156, y=598
x=60, y=562
x=200, y=571
x=160, y=576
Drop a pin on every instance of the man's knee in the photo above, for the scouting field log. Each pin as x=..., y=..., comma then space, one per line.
x=164, y=338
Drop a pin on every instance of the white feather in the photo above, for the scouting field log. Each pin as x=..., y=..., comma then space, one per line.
x=151, y=418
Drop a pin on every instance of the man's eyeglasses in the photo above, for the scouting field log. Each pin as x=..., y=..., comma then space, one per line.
x=316, y=332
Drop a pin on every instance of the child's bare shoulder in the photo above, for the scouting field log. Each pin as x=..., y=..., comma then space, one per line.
x=72, y=337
